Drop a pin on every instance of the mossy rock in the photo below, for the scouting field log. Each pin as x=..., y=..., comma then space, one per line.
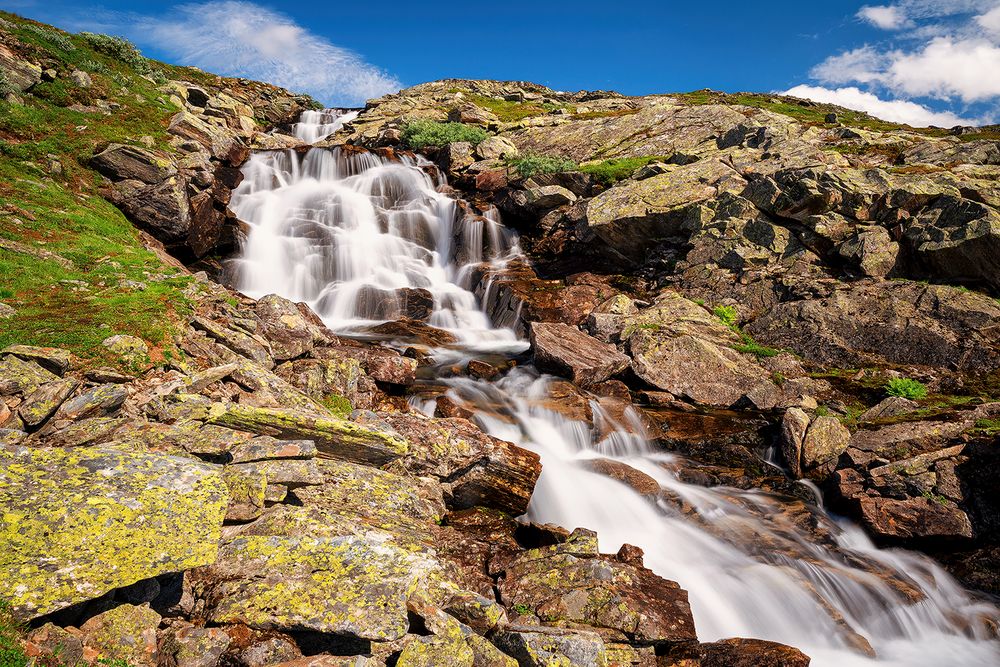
x=77, y=523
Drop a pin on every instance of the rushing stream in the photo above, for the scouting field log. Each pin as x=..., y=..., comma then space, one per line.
x=359, y=237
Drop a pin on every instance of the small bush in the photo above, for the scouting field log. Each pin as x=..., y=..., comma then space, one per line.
x=727, y=314
x=6, y=87
x=906, y=388
x=424, y=133
x=530, y=165
x=121, y=49
x=54, y=38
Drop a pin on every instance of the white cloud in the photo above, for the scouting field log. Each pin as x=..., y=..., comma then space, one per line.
x=990, y=21
x=944, y=68
x=899, y=111
x=864, y=65
x=887, y=17
x=238, y=38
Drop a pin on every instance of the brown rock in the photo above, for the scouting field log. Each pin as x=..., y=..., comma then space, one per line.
x=565, y=350
x=914, y=518
x=751, y=653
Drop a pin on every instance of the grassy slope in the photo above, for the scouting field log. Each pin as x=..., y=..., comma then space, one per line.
x=78, y=302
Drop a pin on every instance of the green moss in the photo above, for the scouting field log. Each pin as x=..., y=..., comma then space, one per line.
x=509, y=111
x=528, y=165
x=523, y=609
x=423, y=133
x=906, y=388
x=750, y=346
x=609, y=172
x=990, y=427
x=338, y=405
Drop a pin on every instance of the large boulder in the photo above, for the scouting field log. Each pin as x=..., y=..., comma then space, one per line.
x=78, y=523
x=161, y=209
x=959, y=239
x=132, y=163
x=565, y=350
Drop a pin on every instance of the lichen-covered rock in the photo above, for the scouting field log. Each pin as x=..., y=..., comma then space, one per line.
x=42, y=403
x=246, y=493
x=333, y=436
x=52, y=358
x=78, y=523
x=126, y=633
x=120, y=162
x=825, y=440
x=291, y=473
x=289, y=333
x=190, y=646
x=751, y=653
x=18, y=376
x=348, y=586
x=551, y=647
x=794, y=424
x=98, y=401
x=131, y=350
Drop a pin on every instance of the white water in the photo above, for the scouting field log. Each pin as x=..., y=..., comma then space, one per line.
x=332, y=227
x=315, y=126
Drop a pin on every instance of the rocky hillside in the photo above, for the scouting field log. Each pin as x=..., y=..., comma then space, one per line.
x=834, y=272
x=192, y=478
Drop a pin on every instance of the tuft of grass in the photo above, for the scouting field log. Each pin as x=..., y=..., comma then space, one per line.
x=522, y=609
x=990, y=427
x=727, y=314
x=528, y=165
x=609, y=172
x=11, y=653
x=338, y=405
x=750, y=346
x=906, y=388
x=423, y=133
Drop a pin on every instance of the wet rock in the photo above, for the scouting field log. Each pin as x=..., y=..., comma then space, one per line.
x=479, y=469
x=336, y=437
x=794, y=424
x=639, y=481
x=302, y=583
x=541, y=647
x=126, y=633
x=50, y=358
x=190, y=646
x=825, y=440
x=565, y=350
x=607, y=321
x=88, y=548
x=751, y=653
x=914, y=518
x=124, y=163
x=414, y=331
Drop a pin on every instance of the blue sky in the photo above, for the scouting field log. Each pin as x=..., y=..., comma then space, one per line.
x=918, y=61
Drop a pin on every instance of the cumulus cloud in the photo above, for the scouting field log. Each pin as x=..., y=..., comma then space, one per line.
x=238, y=38
x=899, y=111
x=887, y=17
x=990, y=21
x=863, y=65
x=944, y=68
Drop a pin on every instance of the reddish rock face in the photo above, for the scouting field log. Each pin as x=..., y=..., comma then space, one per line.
x=751, y=653
x=565, y=350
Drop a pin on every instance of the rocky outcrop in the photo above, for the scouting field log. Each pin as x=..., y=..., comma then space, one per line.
x=565, y=350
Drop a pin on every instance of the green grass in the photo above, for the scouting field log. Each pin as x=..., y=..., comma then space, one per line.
x=522, y=609
x=990, y=427
x=727, y=314
x=423, y=133
x=906, y=388
x=511, y=112
x=750, y=346
x=528, y=165
x=11, y=653
x=74, y=298
x=614, y=170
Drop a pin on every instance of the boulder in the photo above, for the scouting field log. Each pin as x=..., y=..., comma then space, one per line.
x=894, y=519
x=72, y=522
x=348, y=586
x=126, y=633
x=96, y=402
x=190, y=646
x=221, y=143
x=542, y=647
x=496, y=148
x=607, y=321
x=161, y=209
x=825, y=440
x=958, y=239
x=53, y=359
x=42, y=403
x=18, y=376
x=287, y=331
x=872, y=250
x=751, y=653
x=794, y=424
x=565, y=350
x=132, y=163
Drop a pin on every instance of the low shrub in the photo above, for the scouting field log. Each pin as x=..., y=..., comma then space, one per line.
x=906, y=388
x=423, y=133
x=125, y=51
x=528, y=165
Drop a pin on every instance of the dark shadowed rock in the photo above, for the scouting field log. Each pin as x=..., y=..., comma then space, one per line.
x=131, y=163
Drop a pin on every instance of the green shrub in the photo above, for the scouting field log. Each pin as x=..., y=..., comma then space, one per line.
x=6, y=87
x=727, y=314
x=750, y=346
x=424, y=133
x=611, y=171
x=529, y=165
x=906, y=388
x=54, y=38
x=338, y=405
x=123, y=50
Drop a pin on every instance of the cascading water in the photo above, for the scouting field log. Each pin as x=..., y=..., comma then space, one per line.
x=354, y=234
x=315, y=126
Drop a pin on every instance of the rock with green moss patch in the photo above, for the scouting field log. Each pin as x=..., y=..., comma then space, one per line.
x=125, y=633
x=131, y=350
x=349, y=586
x=80, y=522
x=246, y=493
x=121, y=163
x=333, y=436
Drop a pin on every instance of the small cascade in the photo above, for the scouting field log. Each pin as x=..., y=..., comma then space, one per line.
x=364, y=239
x=315, y=126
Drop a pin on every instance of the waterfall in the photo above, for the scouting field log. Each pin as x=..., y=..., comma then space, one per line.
x=315, y=126
x=363, y=238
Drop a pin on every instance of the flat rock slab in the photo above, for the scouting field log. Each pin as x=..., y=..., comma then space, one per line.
x=80, y=522
x=347, y=586
x=567, y=351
